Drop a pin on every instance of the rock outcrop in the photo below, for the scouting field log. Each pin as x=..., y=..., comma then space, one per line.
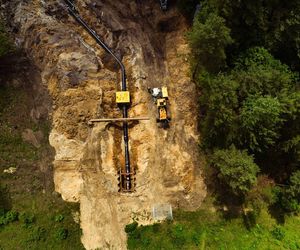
x=82, y=80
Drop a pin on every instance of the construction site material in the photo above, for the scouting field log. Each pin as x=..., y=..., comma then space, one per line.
x=162, y=212
x=160, y=97
x=119, y=119
x=127, y=185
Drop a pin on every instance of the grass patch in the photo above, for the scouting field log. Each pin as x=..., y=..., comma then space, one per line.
x=37, y=226
x=208, y=230
x=32, y=215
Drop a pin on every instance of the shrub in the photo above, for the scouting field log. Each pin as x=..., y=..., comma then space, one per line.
x=130, y=228
x=236, y=169
x=27, y=218
x=290, y=196
x=37, y=234
x=250, y=218
x=260, y=122
x=259, y=73
x=178, y=234
x=62, y=234
x=59, y=218
x=208, y=39
x=278, y=233
x=219, y=103
x=12, y=216
x=8, y=217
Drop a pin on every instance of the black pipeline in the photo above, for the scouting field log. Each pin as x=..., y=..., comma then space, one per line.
x=72, y=10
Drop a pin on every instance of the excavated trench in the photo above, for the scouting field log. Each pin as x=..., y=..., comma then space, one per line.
x=82, y=79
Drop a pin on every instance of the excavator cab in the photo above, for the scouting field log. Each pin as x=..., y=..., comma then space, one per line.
x=160, y=97
x=163, y=4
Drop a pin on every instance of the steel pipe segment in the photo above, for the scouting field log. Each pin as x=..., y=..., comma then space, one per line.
x=73, y=12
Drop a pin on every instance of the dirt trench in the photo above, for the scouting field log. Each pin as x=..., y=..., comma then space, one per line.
x=82, y=79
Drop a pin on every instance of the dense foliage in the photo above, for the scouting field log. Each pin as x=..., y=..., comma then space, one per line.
x=245, y=57
x=236, y=168
x=290, y=197
x=249, y=105
x=208, y=40
x=271, y=24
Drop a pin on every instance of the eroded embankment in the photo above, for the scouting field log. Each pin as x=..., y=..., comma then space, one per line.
x=82, y=80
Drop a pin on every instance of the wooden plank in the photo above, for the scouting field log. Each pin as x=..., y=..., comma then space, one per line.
x=119, y=119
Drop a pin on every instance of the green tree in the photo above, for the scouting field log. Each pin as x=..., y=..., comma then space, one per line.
x=236, y=169
x=208, y=39
x=219, y=102
x=260, y=122
x=290, y=134
x=259, y=73
x=271, y=24
x=250, y=105
x=290, y=197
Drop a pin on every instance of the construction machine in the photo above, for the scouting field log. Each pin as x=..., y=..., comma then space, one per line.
x=163, y=4
x=160, y=98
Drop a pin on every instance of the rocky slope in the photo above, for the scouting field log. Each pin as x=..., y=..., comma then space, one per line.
x=82, y=80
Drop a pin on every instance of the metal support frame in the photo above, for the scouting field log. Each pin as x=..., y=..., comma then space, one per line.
x=118, y=119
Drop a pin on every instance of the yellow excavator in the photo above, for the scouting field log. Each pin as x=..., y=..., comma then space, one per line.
x=160, y=97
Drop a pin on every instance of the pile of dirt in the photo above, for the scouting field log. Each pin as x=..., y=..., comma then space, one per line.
x=82, y=80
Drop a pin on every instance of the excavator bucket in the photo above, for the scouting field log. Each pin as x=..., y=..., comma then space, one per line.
x=164, y=91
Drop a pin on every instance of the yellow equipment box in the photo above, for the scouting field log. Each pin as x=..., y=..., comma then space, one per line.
x=122, y=97
x=164, y=91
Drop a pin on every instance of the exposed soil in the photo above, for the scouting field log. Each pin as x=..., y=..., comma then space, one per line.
x=82, y=80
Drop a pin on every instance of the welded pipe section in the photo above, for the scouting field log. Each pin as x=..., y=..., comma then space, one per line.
x=73, y=11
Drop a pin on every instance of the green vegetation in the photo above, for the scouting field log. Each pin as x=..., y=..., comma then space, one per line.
x=36, y=228
x=249, y=97
x=247, y=106
x=208, y=230
x=208, y=39
x=236, y=169
x=290, y=196
x=32, y=215
x=269, y=24
x=260, y=120
x=12, y=147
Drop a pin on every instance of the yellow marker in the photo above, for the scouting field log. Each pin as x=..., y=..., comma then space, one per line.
x=122, y=97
